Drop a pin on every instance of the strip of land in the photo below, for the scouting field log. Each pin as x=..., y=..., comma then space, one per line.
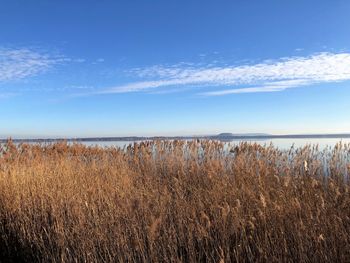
x=222, y=137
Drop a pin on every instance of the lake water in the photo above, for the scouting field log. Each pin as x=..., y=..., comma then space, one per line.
x=280, y=143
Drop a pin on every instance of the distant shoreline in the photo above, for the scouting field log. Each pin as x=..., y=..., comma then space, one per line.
x=209, y=137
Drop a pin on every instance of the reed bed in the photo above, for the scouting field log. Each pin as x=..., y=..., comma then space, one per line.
x=196, y=201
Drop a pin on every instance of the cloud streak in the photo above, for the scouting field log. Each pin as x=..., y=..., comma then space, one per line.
x=21, y=63
x=269, y=76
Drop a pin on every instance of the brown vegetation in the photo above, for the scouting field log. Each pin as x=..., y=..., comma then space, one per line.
x=197, y=201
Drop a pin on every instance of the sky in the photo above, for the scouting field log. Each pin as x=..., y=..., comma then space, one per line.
x=186, y=67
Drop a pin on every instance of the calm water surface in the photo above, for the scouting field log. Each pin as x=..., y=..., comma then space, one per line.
x=280, y=143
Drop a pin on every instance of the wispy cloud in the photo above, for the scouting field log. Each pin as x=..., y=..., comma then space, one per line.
x=23, y=62
x=267, y=76
x=268, y=87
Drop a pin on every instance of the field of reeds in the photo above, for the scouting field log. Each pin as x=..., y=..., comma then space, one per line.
x=197, y=201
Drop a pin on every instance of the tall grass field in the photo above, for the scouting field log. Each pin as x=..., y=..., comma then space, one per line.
x=174, y=201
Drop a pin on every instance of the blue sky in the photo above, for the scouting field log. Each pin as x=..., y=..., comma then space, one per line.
x=118, y=68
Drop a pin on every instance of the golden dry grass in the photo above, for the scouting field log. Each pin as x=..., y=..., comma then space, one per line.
x=195, y=201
